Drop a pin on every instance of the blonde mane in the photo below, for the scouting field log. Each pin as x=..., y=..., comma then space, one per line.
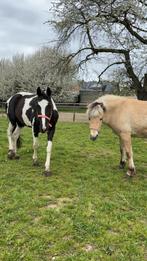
x=108, y=100
x=111, y=97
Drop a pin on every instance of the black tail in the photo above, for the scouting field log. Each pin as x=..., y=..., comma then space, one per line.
x=11, y=106
x=19, y=142
x=6, y=107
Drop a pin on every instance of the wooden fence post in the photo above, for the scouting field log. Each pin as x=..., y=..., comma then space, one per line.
x=145, y=82
x=74, y=113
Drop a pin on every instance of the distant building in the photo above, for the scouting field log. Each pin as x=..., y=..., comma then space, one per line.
x=85, y=92
x=91, y=90
x=87, y=96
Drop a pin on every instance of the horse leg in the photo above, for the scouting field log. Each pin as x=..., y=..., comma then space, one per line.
x=123, y=155
x=48, y=150
x=48, y=157
x=35, y=147
x=126, y=140
x=15, y=136
x=11, y=152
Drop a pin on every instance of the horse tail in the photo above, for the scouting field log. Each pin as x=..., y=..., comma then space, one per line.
x=6, y=107
x=11, y=106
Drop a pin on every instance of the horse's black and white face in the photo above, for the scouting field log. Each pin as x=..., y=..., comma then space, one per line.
x=95, y=114
x=42, y=110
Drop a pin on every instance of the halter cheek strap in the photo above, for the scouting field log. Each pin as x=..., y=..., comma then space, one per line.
x=45, y=117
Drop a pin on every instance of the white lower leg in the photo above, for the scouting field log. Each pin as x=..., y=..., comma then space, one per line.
x=9, y=134
x=15, y=136
x=131, y=170
x=35, y=147
x=48, y=156
x=123, y=155
x=131, y=163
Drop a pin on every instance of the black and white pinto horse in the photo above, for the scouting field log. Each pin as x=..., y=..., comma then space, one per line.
x=37, y=111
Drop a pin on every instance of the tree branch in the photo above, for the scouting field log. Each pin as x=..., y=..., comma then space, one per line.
x=127, y=62
x=130, y=71
x=139, y=29
x=87, y=30
x=128, y=26
x=116, y=63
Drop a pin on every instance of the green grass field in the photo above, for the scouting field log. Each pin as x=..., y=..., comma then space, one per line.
x=87, y=210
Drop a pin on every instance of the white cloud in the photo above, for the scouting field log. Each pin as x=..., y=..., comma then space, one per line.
x=22, y=28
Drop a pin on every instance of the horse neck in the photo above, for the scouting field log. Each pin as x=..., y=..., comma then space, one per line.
x=111, y=106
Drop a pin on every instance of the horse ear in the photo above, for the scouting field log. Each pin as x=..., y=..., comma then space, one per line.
x=102, y=105
x=48, y=92
x=94, y=104
x=39, y=91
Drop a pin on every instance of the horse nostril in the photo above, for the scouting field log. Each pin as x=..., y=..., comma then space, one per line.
x=93, y=138
x=43, y=130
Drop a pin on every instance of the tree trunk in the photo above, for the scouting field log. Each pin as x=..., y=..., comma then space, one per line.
x=142, y=92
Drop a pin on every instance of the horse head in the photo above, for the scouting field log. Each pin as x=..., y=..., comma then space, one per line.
x=42, y=110
x=95, y=114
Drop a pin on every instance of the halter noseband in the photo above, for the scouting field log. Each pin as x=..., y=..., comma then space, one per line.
x=93, y=129
x=45, y=117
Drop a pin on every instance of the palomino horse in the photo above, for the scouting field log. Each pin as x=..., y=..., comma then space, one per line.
x=37, y=111
x=125, y=116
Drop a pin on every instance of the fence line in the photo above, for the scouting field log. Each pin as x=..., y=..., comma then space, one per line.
x=66, y=106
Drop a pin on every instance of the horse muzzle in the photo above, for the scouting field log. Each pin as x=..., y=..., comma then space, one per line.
x=93, y=138
x=43, y=130
x=93, y=134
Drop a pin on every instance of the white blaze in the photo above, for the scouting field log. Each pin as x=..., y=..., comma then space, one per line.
x=43, y=105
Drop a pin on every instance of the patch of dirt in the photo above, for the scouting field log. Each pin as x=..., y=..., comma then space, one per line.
x=37, y=219
x=88, y=248
x=58, y=203
x=70, y=117
x=46, y=196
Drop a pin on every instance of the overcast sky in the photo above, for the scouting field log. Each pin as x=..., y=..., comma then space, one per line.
x=22, y=28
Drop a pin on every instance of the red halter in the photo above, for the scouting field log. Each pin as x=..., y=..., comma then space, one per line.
x=45, y=117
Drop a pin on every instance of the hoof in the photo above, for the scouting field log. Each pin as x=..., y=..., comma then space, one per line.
x=17, y=157
x=122, y=164
x=35, y=163
x=47, y=173
x=12, y=155
x=130, y=173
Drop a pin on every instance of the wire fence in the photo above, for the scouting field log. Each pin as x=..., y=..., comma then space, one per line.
x=62, y=107
x=2, y=107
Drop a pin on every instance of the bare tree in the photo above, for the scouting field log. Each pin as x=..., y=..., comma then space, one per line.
x=111, y=27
